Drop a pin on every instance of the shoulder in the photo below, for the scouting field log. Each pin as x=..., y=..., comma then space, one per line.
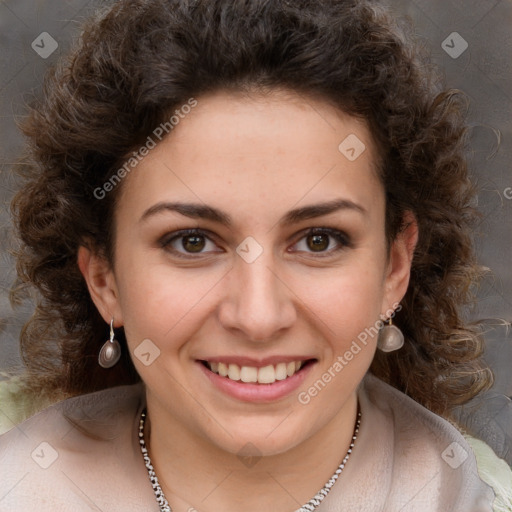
x=430, y=455
x=50, y=460
x=18, y=402
x=494, y=471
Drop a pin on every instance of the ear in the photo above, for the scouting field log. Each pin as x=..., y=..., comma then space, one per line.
x=400, y=260
x=101, y=282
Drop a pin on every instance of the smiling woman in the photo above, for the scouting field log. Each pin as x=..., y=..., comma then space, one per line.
x=258, y=294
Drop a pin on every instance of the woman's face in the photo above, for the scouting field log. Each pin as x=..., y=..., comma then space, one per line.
x=286, y=265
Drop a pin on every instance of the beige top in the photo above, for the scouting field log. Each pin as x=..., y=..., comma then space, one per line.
x=406, y=459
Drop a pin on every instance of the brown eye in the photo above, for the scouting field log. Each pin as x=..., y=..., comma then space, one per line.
x=188, y=242
x=318, y=242
x=193, y=243
x=323, y=242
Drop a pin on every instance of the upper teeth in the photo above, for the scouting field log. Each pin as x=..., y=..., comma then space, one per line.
x=264, y=375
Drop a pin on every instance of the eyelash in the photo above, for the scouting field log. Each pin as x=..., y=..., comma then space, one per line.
x=339, y=236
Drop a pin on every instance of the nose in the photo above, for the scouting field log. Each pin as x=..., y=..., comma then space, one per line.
x=258, y=305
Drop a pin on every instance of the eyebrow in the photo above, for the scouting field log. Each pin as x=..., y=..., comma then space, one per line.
x=201, y=211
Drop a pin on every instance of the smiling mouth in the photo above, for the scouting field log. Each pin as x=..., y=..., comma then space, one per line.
x=251, y=374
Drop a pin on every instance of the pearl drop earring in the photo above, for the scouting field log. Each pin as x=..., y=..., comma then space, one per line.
x=111, y=350
x=390, y=338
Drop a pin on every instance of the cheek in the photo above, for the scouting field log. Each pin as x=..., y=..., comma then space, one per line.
x=163, y=303
x=346, y=300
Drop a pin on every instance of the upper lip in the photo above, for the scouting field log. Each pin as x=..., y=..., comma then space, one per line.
x=257, y=363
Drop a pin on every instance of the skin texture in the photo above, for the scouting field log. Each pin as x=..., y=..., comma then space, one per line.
x=255, y=157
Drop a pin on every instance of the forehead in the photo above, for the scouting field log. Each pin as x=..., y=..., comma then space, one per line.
x=272, y=149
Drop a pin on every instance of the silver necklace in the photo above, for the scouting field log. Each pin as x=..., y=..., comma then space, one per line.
x=311, y=505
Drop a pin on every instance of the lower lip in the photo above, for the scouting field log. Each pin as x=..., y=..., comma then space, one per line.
x=250, y=392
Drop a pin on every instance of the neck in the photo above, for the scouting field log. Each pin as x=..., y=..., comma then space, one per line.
x=196, y=474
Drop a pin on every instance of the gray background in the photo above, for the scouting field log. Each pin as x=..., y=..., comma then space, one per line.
x=482, y=71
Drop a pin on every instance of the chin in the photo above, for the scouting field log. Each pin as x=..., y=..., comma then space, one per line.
x=260, y=439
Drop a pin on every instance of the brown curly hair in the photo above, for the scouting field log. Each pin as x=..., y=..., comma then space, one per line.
x=138, y=60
